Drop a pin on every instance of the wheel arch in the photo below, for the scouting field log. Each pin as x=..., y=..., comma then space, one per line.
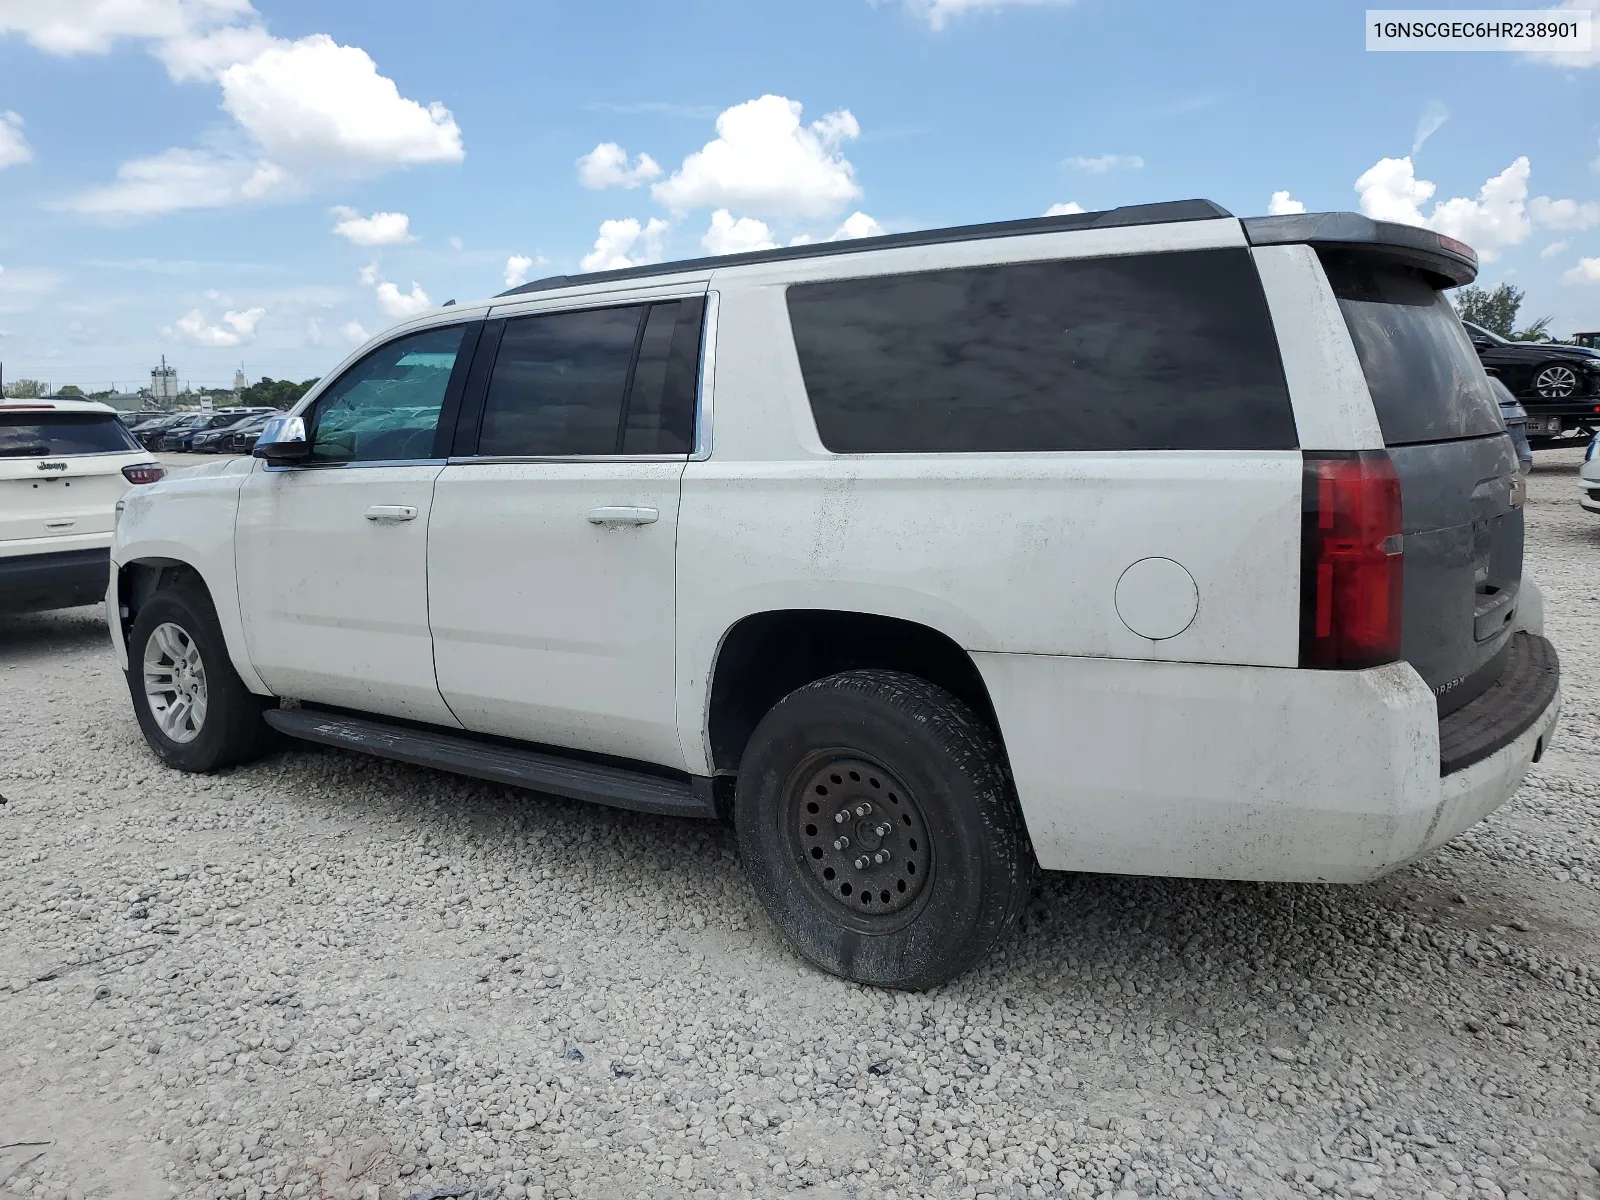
x=766, y=655
x=136, y=580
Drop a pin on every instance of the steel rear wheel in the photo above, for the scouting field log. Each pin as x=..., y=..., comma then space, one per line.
x=861, y=832
x=879, y=828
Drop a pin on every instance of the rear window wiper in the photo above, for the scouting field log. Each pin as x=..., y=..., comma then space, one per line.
x=38, y=451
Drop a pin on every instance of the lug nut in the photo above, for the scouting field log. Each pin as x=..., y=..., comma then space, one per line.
x=863, y=809
x=883, y=830
x=882, y=856
x=840, y=817
x=841, y=843
x=861, y=863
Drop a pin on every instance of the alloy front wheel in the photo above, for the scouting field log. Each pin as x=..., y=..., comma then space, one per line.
x=175, y=682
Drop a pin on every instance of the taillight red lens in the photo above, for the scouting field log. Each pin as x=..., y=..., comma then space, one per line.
x=144, y=472
x=1351, y=561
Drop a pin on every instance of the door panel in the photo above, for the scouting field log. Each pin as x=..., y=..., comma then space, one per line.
x=548, y=625
x=335, y=604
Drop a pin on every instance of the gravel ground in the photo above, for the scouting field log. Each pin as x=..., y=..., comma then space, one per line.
x=325, y=975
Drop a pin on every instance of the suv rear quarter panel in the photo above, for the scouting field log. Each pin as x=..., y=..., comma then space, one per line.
x=1007, y=553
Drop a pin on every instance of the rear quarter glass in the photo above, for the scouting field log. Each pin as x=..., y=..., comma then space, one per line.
x=1426, y=380
x=1170, y=351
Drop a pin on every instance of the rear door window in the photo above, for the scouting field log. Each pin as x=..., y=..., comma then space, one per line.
x=595, y=383
x=1426, y=380
x=55, y=434
x=1145, y=352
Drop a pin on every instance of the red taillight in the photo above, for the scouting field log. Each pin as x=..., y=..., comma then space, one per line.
x=1351, y=562
x=144, y=472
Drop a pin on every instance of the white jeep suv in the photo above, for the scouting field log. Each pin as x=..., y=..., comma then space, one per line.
x=1151, y=541
x=64, y=465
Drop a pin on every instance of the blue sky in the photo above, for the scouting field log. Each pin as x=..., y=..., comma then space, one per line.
x=228, y=184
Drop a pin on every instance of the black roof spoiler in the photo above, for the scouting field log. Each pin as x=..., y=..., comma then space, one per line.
x=1453, y=262
x=1168, y=212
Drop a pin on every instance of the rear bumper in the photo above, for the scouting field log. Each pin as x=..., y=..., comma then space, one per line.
x=1199, y=770
x=63, y=579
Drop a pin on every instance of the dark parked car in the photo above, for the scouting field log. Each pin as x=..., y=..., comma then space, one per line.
x=242, y=438
x=180, y=438
x=217, y=439
x=1516, y=419
x=150, y=432
x=1558, y=385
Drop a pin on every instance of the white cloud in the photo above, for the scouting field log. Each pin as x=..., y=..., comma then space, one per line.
x=764, y=160
x=856, y=225
x=1390, y=191
x=370, y=273
x=1553, y=249
x=1573, y=58
x=1064, y=210
x=625, y=244
x=14, y=148
x=1587, y=271
x=455, y=243
x=937, y=13
x=1564, y=214
x=730, y=236
x=309, y=111
x=1099, y=164
x=235, y=328
x=353, y=332
x=314, y=332
x=400, y=304
x=380, y=229
x=518, y=266
x=92, y=26
x=314, y=102
x=180, y=179
x=607, y=166
x=1282, y=205
x=1429, y=123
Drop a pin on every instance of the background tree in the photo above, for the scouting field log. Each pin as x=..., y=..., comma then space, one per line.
x=26, y=389
x=71, y=389
x=274, y=393
x=1496, y=311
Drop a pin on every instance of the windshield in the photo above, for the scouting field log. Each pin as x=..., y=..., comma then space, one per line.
x=1486, y=333
x=51, y=434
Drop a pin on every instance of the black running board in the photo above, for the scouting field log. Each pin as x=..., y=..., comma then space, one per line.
x=536, y=770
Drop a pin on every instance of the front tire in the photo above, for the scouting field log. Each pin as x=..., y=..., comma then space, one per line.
x=194, y=710
x=880, y=830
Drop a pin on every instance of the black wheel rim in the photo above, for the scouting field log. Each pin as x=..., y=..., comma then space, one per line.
x=860, y=836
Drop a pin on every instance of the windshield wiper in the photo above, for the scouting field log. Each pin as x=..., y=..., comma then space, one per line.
x=38, y=451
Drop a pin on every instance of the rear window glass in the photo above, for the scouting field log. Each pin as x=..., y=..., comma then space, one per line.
x=1146, y=352
x=1427, y=381
x=53, y=434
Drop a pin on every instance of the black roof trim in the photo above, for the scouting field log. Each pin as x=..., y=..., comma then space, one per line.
x=1454, y=262
x=1167, y=212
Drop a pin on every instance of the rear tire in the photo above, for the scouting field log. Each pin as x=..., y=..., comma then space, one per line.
x=193, y=708
x=936, y=867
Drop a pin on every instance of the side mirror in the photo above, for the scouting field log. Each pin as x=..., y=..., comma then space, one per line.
x=283, y=441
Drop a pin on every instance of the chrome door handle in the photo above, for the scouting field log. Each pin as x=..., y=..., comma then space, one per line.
x=392, y=512
x=623, y=516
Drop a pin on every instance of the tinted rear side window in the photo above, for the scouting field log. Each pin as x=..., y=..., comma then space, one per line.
x=1150, y=352
x=1426, y=380
x=35, y=434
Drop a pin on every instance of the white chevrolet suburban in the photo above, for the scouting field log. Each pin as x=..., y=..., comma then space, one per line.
x=64, y=466
x=1151, y=541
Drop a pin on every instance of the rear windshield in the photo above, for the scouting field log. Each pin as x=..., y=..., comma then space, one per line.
x=41, y=434
x=1426, y=380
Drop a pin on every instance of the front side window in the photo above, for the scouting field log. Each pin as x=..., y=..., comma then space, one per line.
x=1168, y=351
x=599, y=382
x=386, y=407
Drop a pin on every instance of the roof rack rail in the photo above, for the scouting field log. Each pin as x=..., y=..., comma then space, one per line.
x=1131, y=214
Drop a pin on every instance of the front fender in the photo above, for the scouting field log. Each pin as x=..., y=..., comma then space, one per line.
x=188, y=518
